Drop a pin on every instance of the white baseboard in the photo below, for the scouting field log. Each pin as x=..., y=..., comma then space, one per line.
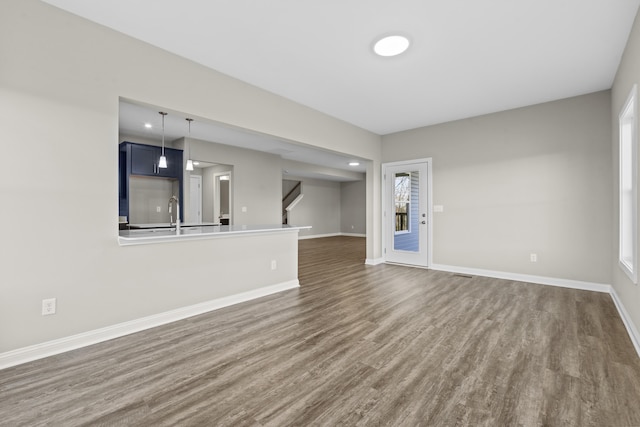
x=317, y=236
x=628, y=323
x=541, y=280
x=374, y=261
x=50, y=348
x=565, y=283
x=320, y=236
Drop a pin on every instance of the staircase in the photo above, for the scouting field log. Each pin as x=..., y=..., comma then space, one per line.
x=290, y=200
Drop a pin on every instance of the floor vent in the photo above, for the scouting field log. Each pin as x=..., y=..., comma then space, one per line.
x=466, y=276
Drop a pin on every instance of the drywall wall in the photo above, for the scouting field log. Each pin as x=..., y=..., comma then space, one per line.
x=530, y=180
x=353, y=208
x=628, y=74
x=61, y=80
x=256, y=181
x=319, y=207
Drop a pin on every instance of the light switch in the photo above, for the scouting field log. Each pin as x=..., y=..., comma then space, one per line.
x=158, y=209
x=438, y=208
x=244, y=209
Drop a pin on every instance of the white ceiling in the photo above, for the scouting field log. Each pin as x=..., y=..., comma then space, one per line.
x=467, y=57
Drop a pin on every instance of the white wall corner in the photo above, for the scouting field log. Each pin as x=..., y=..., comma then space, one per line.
x=626, y=319
x=61, y=345
x=374, y=261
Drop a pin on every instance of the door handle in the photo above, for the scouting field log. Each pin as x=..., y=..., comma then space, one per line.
x=423, y=222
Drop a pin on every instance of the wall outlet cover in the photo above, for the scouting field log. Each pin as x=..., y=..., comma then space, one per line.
x=48, y=306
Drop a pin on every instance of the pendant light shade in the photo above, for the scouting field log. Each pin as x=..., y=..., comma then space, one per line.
x=162, y=163
x=189, y=166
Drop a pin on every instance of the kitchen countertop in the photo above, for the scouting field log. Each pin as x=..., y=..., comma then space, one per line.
x=162, y=235
x=166, y=225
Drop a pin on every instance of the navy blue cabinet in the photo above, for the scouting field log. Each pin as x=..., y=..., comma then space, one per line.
x=145, y=158
x=142, y=160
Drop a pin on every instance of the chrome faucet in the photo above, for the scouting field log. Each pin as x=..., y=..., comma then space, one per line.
x=171, y=200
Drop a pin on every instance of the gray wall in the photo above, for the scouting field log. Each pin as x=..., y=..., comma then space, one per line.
x=208, y=190
x=60, y=83
x=530, y=180
x=628, y=74
x=255, y=183
x=319, y=207
x=353, y=207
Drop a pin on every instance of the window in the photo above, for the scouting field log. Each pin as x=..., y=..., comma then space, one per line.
x=628, y=186
x=402, y=197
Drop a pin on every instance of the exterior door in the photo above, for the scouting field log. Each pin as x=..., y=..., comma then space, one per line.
x=407, y=208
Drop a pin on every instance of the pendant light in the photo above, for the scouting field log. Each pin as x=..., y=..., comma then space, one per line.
x=189, y=161
x=163, y=160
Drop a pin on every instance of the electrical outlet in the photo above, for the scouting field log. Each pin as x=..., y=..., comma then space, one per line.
x=533, y=257
x=48, y=306
x=274, y=264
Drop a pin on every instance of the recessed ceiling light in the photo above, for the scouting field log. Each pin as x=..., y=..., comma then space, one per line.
x=354, y=163
x=148, y=125
x=391, y=45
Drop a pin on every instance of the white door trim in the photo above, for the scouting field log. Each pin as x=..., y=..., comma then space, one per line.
x=429, y=206
x=216, y=195
x=199, y=179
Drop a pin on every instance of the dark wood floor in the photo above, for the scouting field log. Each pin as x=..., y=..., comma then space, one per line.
x=355, y=345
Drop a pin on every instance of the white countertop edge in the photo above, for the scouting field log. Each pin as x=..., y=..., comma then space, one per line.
x=218, y=234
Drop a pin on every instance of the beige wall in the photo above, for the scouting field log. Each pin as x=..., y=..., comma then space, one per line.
x=628, y=74
x=319, y=207
x=60, y=83
x=256, y=180
x=530, y=180
x=353, y=207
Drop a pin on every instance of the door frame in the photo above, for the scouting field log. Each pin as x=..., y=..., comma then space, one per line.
x=199, y=179
x=429, y=208
x=216, y=195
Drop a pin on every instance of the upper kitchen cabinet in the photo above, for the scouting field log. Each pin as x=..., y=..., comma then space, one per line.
x=144, y=160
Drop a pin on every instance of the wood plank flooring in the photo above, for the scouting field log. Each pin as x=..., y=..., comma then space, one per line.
x=356, y=345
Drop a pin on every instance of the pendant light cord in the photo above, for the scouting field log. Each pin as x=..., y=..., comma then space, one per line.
x=189, y=121
x=163, y=114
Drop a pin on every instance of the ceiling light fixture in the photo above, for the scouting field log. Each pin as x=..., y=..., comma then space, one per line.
x=148, y=125
x=162, y=163
x=189, y=161
x=354, y=163
x=391, y=45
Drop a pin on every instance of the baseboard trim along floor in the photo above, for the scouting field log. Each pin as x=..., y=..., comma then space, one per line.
x=551, y=281
x=50, y=348
x=527, y=278
x=628, y=323
x=320, y=236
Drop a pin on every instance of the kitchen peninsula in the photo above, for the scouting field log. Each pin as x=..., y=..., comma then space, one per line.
x=162, y=235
